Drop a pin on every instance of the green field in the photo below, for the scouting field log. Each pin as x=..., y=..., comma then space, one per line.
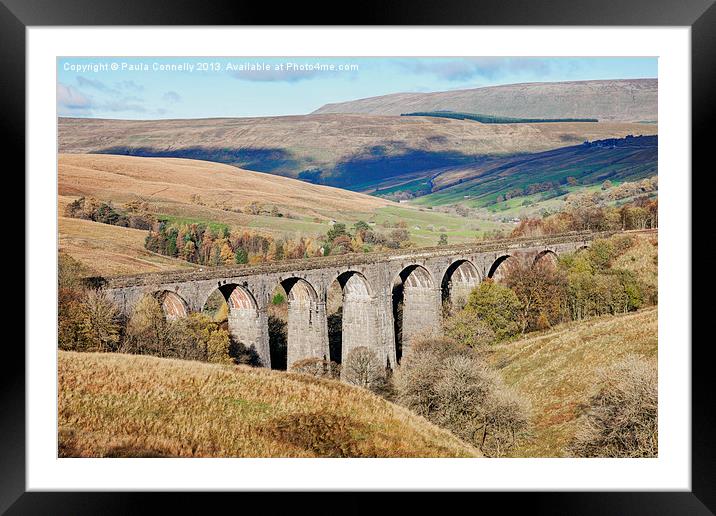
x=424, y=224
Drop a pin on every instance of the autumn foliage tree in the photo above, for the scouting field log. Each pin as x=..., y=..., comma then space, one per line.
x=498, y=306
x=541, y=288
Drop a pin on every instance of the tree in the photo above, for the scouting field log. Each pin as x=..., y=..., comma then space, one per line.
x=361, y=226
x=99, y=321
x=275, y=251
x=542, y=291
x=362, y=367
x=241, y=256
x=498, y=306
x=338, y=229
x=227, y=255
x=148, y=332
x=443, y=239
x=70, y=294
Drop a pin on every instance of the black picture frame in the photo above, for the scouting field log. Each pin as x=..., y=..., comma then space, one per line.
x=17, y=15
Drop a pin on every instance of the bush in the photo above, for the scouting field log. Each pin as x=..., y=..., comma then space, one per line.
x=195, y=337
x=451, y=386
x=198, y=337
x=621, y=420
x=467, y=328
x=317, y=367
x=498, y=306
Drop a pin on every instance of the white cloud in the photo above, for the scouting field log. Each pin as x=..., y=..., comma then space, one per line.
x=71, y=101
x=276, y=75
x=473, y=67
x=172, y=97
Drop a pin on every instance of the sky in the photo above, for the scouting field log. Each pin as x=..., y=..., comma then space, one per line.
x=196, y=87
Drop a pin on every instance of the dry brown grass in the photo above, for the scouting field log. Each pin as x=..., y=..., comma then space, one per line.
x=108, y=250
x=113, y=405
x=174, y=180
x=641, y=259
x=558, y=369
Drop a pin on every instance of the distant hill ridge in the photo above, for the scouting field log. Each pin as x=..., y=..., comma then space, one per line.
x=632, y=100
x=348, y=151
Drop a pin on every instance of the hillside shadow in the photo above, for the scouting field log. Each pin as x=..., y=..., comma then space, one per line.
x=268, y=159
x=372, y=166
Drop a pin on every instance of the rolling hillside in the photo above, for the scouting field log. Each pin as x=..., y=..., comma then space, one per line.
x=167, y=182
x=481, y=184
x=113, y=405
x=632, y=100
x=349, y=151
x=557, y=369
x=170, y=187
x=107, y=250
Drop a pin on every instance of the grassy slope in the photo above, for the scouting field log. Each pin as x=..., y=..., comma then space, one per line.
x=108, y=250
x=352, y=151
x=173, y=181
x=556, y=371
x=168, y=183
x=125, y=405
x=591, y=166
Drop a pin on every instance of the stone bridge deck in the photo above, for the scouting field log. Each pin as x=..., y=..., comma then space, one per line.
x=422, y=279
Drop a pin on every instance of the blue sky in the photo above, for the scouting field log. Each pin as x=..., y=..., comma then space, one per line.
x=152, y=88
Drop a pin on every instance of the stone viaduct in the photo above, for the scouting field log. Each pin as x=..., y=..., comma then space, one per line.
x=424, y=277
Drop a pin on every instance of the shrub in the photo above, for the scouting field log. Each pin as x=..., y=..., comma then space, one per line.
x=198, y=337
x=467, y=328
x=621, y=420
x=451, y=386
x=317, y=367
x=498, y=306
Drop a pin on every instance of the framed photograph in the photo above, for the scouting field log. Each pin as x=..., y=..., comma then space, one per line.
x=416, y=250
